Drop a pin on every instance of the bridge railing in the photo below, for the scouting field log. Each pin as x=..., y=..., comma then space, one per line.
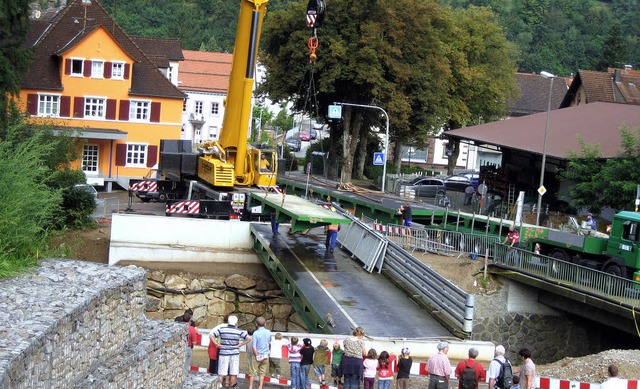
x=584, y=279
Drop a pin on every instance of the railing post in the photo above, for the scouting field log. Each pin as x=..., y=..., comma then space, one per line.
x=468, y=313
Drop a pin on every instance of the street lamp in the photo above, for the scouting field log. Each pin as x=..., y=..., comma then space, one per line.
x=541, y=189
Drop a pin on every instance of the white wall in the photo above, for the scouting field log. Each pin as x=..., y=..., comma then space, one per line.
x=179, y=239
x=210, y=129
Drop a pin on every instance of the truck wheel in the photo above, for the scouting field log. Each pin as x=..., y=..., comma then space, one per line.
x=162, y=197
x=144, y=200
x=560, y=255
x=614, y=269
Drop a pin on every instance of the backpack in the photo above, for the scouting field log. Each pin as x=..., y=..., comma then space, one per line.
x=468, y=378
x=505, y=378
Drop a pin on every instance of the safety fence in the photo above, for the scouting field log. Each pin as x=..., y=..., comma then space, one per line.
x=105, y=207
x=606, y=286
x=437, y=241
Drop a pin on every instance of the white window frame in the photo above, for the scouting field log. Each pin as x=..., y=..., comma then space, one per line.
x=77, y=74
x=100, y=104
x=215, y=108
x=198, y=107
x=91, y=153
x=117, y=70
x=140, y=110
x=97, y=68
x=49, y=108
x=137, y=155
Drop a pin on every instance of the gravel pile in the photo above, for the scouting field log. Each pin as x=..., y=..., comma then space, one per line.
x=593, y=368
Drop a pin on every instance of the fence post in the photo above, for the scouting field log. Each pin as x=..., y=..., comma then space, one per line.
x=468, y=313
x=486, y=261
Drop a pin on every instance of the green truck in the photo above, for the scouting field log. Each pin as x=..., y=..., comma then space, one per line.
x=617, y=253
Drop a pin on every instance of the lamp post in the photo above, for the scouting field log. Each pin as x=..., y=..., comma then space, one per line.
x=541, y=189
x=386, y=141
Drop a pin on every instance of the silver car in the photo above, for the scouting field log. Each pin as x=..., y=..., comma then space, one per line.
x=425, y=186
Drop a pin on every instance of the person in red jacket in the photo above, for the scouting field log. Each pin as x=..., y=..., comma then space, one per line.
x=473, y=364
x=213, y=358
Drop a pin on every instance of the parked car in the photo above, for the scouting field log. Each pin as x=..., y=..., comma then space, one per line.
x=425, y=186
x=305, y=136
x=473, y=177
x=458, y=183
x=293, y=143
x=314, y=134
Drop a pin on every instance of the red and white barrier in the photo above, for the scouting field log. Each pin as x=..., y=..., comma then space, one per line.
x=184, y=207
x=144, y=186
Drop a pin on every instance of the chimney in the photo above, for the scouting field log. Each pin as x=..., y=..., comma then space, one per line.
x=627, y=68
x=616, y=75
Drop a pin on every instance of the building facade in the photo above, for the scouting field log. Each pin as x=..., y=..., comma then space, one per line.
x=90, y=77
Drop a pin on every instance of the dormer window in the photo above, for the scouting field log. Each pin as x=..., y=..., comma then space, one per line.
x=77, y=66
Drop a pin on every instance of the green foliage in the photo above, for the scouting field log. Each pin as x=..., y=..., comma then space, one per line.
x=603, y=183
x=27, y=203
x=283, y=121
x=14, y=58
x=77, y=208
x=291, y=162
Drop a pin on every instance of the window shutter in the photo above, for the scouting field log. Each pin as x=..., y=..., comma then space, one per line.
x=87, y=68
x=111, y=109
x=124, y=110
x=67, y=66
x=65, y=106
x=155, y=112
x=152, y=155
x=107, y=70
x=32, y=104
x=78, y=107
x=121, y=154
x=127, y=68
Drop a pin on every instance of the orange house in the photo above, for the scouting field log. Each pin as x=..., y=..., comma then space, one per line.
x=91, y=77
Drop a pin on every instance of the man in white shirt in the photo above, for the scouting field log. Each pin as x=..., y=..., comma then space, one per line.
x=493, y=372
x=614, y=382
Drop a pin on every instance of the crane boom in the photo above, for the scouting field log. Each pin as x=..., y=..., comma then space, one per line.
x=235, y=125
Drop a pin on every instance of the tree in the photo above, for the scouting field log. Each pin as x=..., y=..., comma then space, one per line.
x=601, y=183
x=483, y=72
x=14, y=59
x=387, y=55
x=614, y=50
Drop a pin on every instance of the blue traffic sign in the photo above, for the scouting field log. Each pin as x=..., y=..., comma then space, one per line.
x=378, y=159
x=335, y=112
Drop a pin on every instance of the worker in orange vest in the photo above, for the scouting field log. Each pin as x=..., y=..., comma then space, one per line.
x=332, y=236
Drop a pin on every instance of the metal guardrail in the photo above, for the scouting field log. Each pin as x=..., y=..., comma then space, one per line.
x=363, y=243
x=445, y=300
x=594, y=282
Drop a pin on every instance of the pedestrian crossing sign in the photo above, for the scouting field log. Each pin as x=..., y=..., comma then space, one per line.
x=378, y=159
x=335, y=112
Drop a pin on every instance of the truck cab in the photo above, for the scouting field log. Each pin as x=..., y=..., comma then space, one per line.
x=622, y=246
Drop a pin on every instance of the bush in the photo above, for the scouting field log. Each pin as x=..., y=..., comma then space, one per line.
x=76, y=210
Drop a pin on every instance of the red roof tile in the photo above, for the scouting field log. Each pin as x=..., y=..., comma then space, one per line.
x=205, y=71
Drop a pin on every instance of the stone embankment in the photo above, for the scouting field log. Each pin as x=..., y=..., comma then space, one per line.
x=212, y=298
x=80, y=324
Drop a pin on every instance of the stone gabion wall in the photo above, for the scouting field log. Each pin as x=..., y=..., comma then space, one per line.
x=213, y=298
x=67, y=319
x=554, y=335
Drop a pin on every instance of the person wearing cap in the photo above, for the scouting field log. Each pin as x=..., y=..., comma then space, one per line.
x=231, y=339
x=439, y=368
x=493, y=372
x=404, y=369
